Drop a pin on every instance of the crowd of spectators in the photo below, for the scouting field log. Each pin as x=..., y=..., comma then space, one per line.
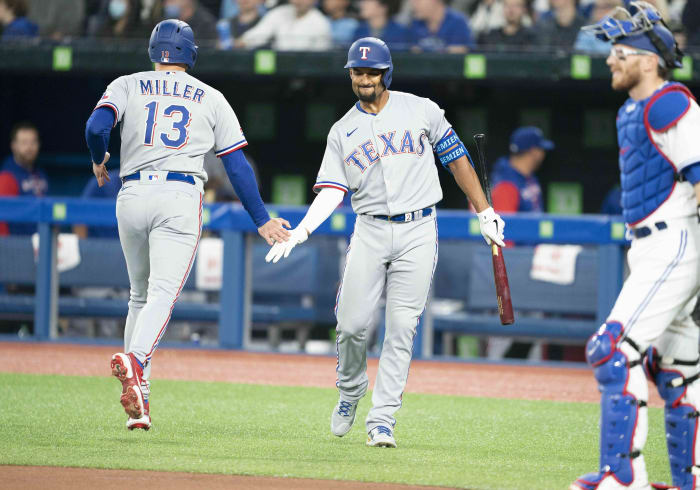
x=453, y=26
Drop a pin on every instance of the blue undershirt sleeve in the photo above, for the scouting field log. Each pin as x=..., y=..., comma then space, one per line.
x=692, y=173
x=97, y=130
x=243, y=180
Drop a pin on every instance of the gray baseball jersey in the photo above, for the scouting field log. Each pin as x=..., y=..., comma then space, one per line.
x=170, y=120
x=386, y=159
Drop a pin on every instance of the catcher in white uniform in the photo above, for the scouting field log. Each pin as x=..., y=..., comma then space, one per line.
x=169, y=121
x=382, y=150
x=650, y=327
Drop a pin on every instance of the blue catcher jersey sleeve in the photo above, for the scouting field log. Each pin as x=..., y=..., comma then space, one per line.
x=115, y=98
x=228, y=135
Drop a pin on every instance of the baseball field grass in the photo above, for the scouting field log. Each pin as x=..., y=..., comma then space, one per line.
x=475, y=443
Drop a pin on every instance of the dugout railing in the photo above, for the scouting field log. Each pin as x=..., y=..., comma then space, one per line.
x=551, y=311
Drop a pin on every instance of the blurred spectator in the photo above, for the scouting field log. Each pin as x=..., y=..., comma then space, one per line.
x=679, y=34
x=248, y=15
x=691, y=22
x=298, y=26
x=513, y=33
x=377, y=21
x=436, y=27
x=58, y=19
x=342, y=25
x=109, y=190
x=202, y=22
x=13, y=17
x=229, y=9
x=19, y=176
x=515, y=187
x=562, y=27
x=488, y=16
x=587, y=42
x=675, y=10
x=117, y=19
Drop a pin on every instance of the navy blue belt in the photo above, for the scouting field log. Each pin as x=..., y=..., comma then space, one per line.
x=171, y=176
x=644, y=231
x=412, y=216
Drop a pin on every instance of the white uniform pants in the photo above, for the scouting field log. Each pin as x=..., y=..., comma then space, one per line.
x=662, y=286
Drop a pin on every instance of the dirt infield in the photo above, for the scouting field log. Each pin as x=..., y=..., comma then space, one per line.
x=43, y=477
x=441, y=378
x=465, y=379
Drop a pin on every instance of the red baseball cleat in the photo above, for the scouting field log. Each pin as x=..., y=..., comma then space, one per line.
x=126, y=369
x=145, y=421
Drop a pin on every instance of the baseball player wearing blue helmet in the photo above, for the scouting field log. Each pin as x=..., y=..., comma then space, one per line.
x=169, y=121
x=382, y=150
x=650, y=329
x=172, y=41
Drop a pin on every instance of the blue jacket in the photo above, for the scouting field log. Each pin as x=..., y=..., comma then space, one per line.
x=513, y=191
x=454, y=30
x=20, y=182
x=395, y=35
x=21, y=27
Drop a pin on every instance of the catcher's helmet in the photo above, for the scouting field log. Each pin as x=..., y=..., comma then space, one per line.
x=172, y=41
x=641, y=27
x=370, y=52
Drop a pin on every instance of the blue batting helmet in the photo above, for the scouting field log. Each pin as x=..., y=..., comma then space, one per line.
x=172, y=41
x=371, y=52
x=640, y=27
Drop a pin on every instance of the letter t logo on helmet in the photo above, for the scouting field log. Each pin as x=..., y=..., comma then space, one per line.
x=371, y=52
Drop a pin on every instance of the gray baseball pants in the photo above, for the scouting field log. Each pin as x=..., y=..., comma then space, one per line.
x=402, y=257
x=159, y=228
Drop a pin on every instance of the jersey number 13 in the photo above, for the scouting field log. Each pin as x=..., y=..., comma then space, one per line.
x=177, y=134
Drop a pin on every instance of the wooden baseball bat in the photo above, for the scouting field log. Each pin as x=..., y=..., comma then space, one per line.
x=505, y=306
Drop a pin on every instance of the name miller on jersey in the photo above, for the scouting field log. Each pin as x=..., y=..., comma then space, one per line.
x=160, y=87
x=365, y=154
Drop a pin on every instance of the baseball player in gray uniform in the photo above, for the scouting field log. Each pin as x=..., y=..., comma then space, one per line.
x=169, y=120
x=382, y=150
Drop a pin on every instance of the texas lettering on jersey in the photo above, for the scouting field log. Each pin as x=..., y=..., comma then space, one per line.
x=386, y=159
x=365, y=154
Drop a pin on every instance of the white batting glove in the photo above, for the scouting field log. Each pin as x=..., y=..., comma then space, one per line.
x=491, y=226
x=280, y=249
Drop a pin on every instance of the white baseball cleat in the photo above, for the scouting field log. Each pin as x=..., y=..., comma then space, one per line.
x=381, y=436
x=343, y=417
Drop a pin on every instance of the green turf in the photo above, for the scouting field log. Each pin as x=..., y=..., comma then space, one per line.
x=453, y=441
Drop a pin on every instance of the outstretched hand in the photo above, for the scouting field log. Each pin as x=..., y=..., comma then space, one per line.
x=274, y=231
x=280, y=249
x=100, y=171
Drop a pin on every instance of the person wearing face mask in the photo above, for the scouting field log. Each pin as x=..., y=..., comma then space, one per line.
x=296, y=26
x=118, y=19
x=199, y=18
